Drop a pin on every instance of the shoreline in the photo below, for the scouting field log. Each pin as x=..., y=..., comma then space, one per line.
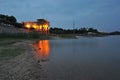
x=23, y=66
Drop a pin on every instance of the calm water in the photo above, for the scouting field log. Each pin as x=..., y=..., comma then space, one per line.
x=96, y=58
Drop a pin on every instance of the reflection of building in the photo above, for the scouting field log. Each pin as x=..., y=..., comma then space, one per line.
x=41, y=25
x=42, y=50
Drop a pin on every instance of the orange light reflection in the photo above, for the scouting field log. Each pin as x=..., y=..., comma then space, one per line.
x=42, y=50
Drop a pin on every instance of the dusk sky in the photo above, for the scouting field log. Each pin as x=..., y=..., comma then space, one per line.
x=103, y=15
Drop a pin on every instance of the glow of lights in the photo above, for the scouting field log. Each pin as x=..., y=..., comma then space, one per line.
x=27, y=26
x=42, y=49
x=40, y=27
x=34, y=26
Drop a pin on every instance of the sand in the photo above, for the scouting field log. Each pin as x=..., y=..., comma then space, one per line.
x=22, y=67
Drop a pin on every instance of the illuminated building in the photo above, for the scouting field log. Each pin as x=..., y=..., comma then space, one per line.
x=40, y=25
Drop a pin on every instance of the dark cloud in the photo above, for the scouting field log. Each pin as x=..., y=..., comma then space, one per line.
x=101, y=14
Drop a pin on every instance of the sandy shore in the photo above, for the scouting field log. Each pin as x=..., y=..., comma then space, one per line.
x=22, y=67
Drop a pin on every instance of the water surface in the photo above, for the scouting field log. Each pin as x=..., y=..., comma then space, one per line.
x=96, y=58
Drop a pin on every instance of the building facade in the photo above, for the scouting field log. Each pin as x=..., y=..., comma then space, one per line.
x=41, y=25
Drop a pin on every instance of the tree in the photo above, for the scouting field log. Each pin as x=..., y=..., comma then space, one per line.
x=92, y=30
x=8, y=19
x=83, y=30
x=12, y=19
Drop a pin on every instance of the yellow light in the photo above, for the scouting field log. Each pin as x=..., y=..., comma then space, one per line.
x=34, y=26
x=40, y=27
x=27, y=26
x=45, y=26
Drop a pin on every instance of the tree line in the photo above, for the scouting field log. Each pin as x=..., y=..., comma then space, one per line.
x=9, y=20
x=73, y=31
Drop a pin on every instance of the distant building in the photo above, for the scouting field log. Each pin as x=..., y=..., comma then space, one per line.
x=41, y=25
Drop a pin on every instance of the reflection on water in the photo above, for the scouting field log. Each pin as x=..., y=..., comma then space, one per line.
x=42, y=50
x=96, y=58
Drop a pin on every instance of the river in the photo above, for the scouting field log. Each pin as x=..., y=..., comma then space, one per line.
x=93, y=58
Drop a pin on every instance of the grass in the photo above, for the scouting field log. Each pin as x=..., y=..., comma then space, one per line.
x=8, y=50
x=31, y=35
x=4, y=42
x=11, y=52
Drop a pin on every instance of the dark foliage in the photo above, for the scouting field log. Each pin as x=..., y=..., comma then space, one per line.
x=92, y=30
x=71, y=31
x=114, y=33
x=18, y=25
x=5, y=19
x=9, y=20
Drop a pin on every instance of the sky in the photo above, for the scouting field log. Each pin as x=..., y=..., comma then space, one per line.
x=103, y=15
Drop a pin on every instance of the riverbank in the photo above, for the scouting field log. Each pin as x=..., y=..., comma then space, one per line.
x=18, y=62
